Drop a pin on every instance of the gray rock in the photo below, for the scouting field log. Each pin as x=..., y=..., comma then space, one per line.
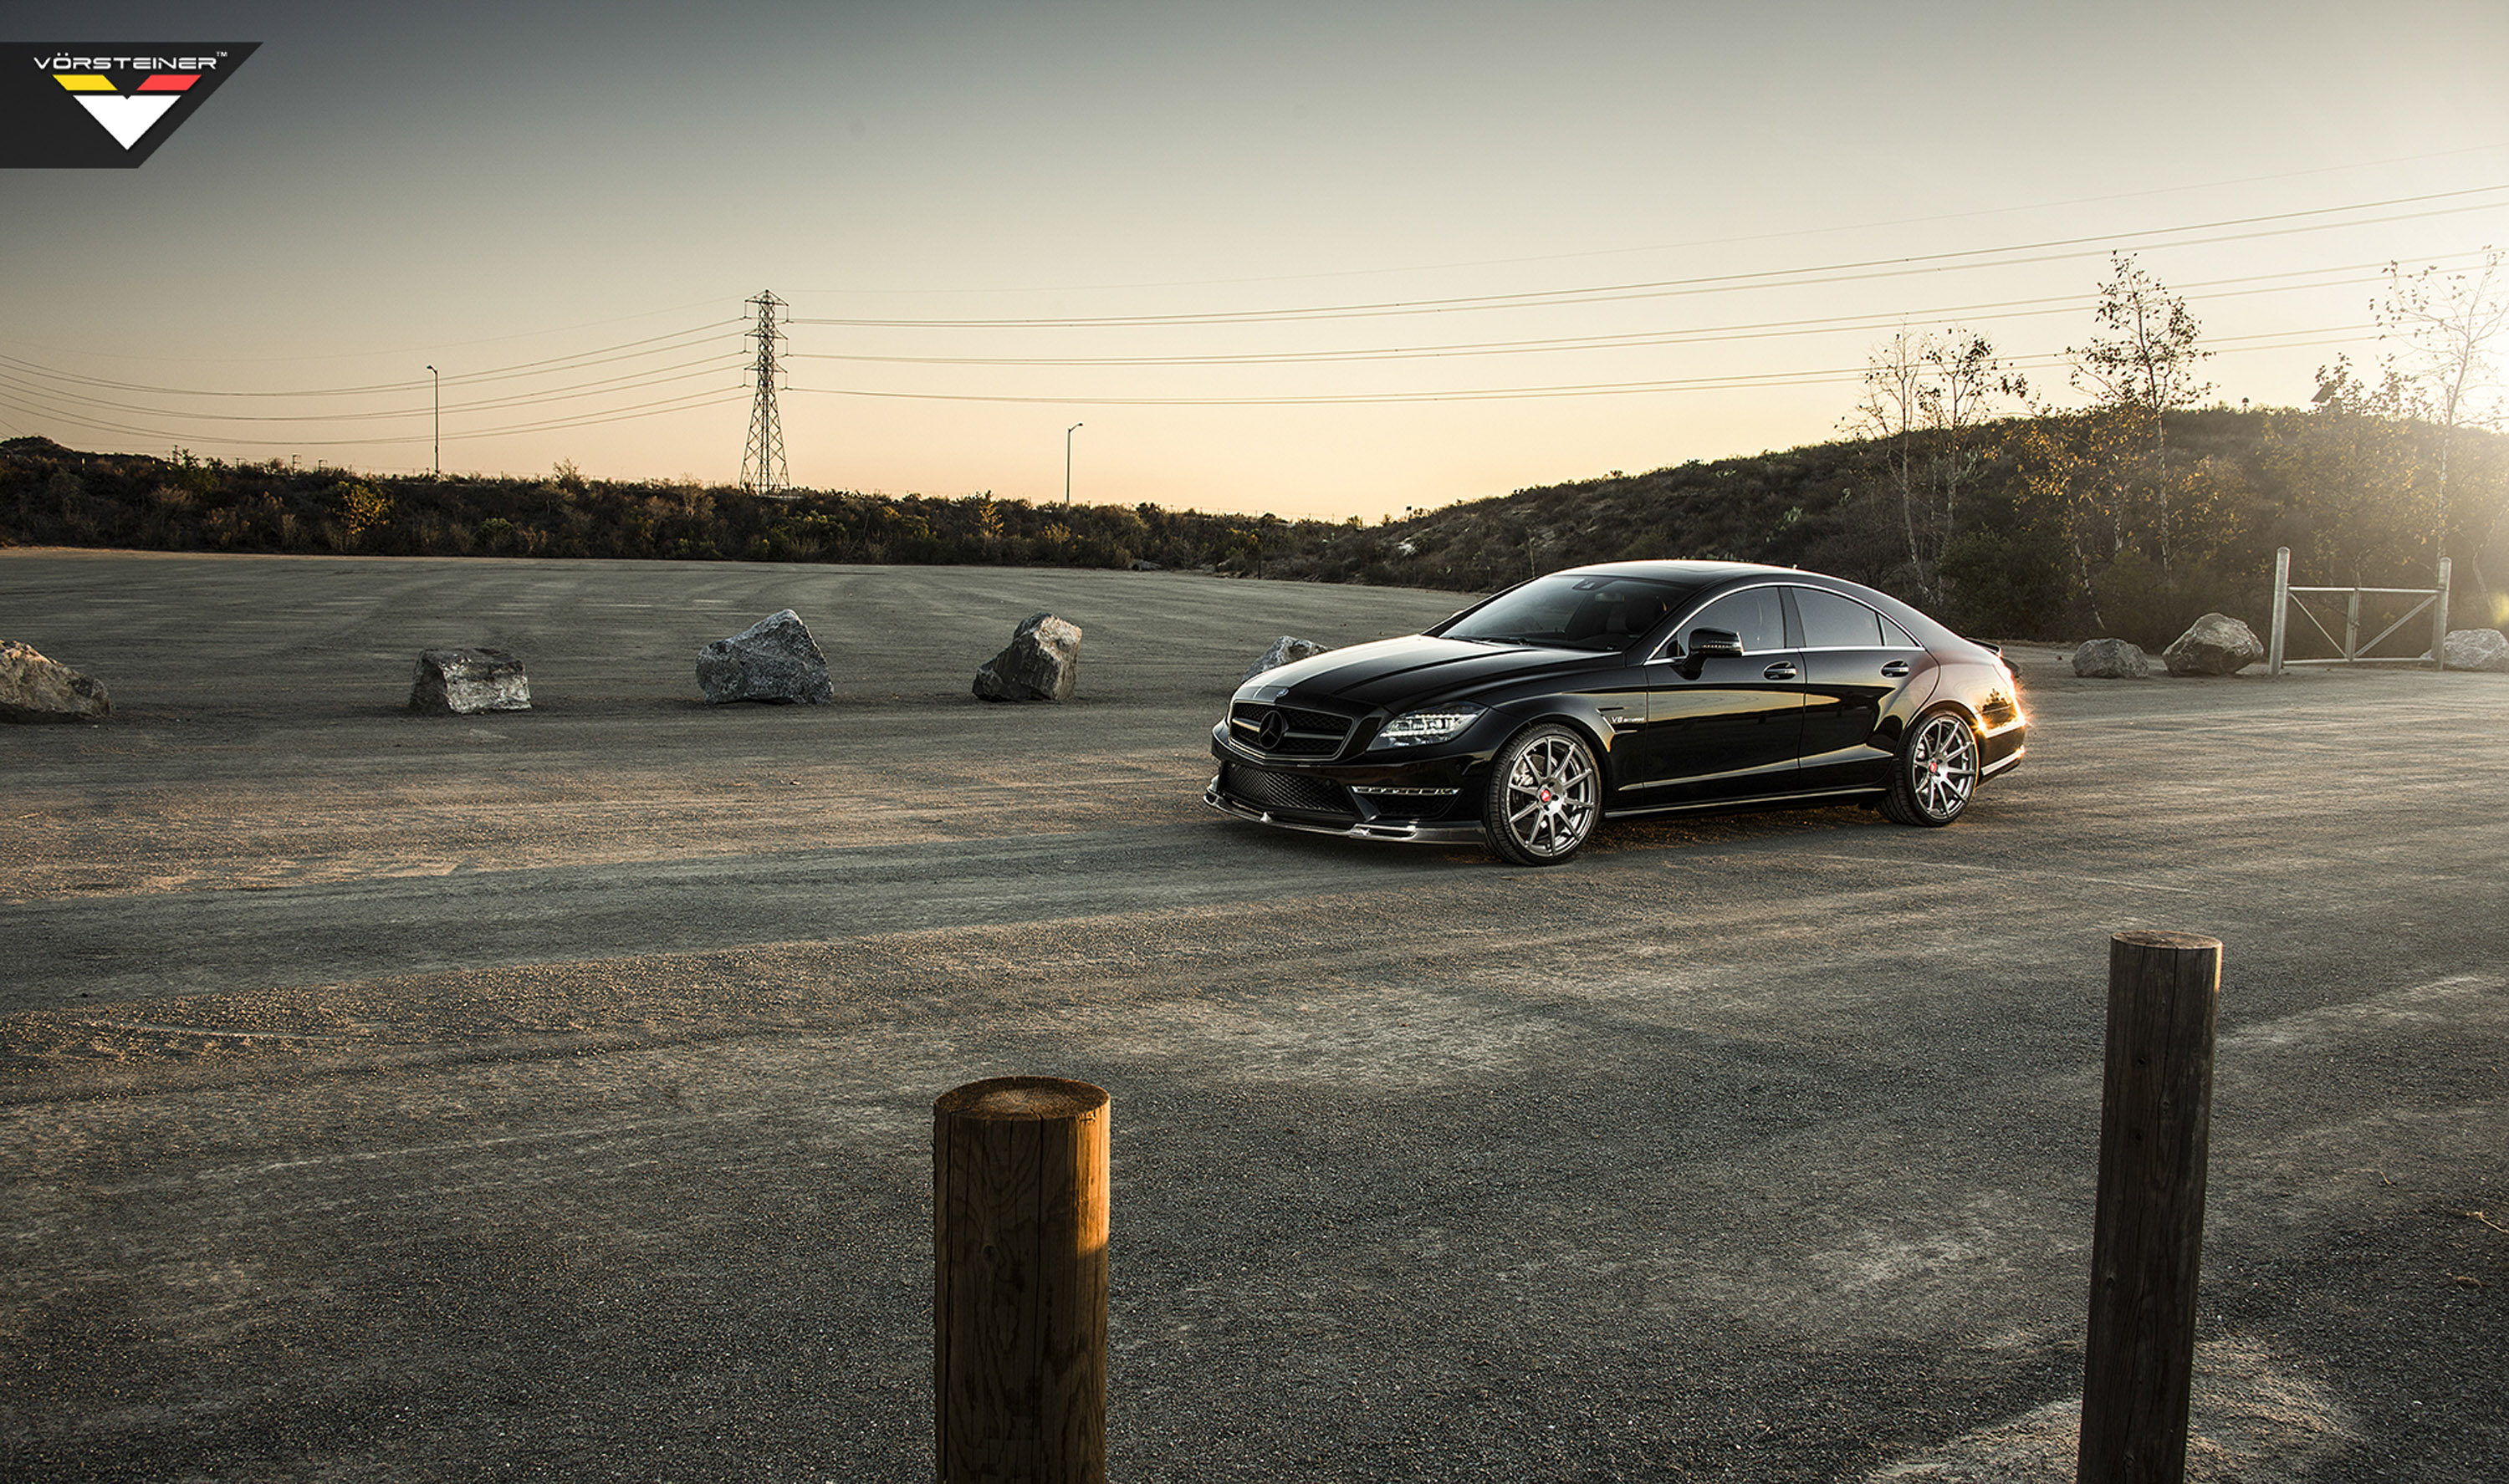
x=1284, y=651
x=33, y=688
x=1041, y=664
x=1145, y=564
x=2475, y=649
x=2112, y=660
x=774, y=659
x=2213, y=645
x=461, y=683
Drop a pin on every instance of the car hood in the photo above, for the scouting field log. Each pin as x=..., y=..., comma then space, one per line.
x=1405, y=672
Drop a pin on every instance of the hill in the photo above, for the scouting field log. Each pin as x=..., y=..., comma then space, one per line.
x=2034, y=526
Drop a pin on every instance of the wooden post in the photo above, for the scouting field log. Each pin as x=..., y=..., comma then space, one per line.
x=1019, y=1283
x=2353, y=629
x=2147, y=1243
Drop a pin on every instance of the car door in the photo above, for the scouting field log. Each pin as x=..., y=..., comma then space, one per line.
x=1721, y=726
x=1855, y=664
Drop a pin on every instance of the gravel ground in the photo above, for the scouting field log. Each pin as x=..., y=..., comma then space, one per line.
x=548, y=1096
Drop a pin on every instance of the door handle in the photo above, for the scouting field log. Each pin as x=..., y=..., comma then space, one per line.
x=1896, y=669
x=1782, y=670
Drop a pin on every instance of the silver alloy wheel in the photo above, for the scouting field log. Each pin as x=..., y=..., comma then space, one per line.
x=1544, y=803
x=1942, y=768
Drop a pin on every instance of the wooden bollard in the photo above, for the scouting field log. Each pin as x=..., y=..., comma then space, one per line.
x=2148, y=1237
x=1019, y=1283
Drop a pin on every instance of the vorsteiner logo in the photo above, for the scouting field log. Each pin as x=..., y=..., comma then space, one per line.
x=103, y=105
x=68, y=63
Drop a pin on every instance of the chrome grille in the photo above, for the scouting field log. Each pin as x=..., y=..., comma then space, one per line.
x=1304, y=733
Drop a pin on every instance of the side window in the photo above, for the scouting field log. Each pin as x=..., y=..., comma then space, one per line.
x=1755, y=614
x=1834, y=622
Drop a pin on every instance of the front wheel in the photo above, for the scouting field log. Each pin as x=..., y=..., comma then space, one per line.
x=1935, y=773
x=1544, y=794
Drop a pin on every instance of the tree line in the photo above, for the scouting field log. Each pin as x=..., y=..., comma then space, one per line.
x=55, y=495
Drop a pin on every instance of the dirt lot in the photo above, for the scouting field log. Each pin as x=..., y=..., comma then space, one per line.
x=546, y=1095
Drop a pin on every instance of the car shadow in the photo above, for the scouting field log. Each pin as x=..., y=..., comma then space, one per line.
x=1614, y=837
x=1742, y=827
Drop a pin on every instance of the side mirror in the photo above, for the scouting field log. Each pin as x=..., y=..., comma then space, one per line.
x=1715, y=644
x=1706, y=644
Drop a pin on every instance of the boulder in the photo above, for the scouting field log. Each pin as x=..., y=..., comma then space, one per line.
x=2213, y=645
x=774, y=659
x=33, y=688
x=1145, y=564
x=461, y=683
x=1284, y=650
x=2475, y=649
x=1041, y=664
x=2112, y=660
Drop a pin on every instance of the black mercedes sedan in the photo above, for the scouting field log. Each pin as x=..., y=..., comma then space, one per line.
x=1617, y=690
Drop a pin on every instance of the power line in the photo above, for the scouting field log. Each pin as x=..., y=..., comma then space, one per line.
x=2279, y=341
x=689, y=403
x=62, y=397
x=1693, y=243
x=430, y=347
x=2054, y=249
x=2009, y=309
x=585, y=358
x=636, y=383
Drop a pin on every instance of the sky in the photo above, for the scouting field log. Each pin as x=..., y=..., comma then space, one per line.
x=1308, y=259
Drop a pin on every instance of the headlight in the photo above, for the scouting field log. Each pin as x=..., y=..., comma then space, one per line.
x=1433, y=724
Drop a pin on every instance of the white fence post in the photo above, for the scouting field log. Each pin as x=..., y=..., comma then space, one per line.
x=2282, y=604
x=2438, y=621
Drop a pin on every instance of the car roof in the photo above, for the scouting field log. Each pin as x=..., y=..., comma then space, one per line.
x=1689, y=573
x=1708, y=576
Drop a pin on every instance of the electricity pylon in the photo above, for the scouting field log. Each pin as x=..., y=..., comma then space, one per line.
x=762, y=462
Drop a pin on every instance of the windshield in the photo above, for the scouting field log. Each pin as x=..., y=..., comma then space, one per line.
x=1572, y=611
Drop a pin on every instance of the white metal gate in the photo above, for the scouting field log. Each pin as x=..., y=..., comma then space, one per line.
x=2349, y=650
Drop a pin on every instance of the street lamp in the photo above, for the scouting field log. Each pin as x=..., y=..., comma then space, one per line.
x=440, y=419
x=1066, y=460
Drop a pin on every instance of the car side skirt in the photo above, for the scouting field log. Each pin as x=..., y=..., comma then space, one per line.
x=1787, y=799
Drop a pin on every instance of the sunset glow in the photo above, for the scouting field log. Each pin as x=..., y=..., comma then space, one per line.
x=1316, y=260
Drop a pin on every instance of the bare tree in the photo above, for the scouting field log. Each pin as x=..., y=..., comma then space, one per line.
x=2450, y=326
x=1926, y=398
x=1892, y=412
x=2142, y=370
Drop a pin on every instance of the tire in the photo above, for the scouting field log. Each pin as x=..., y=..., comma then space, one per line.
x=1544, y=797
x=1935, y=774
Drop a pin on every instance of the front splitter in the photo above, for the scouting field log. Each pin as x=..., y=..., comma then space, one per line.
x=1407, y=833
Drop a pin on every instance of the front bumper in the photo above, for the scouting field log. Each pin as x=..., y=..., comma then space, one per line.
x=1426, y=800
x=1316, y=822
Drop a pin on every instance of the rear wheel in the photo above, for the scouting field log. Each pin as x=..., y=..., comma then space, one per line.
x=1544, y=794
x=1935, y=773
